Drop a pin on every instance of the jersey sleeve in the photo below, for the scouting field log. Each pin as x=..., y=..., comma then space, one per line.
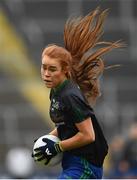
x=77, y=107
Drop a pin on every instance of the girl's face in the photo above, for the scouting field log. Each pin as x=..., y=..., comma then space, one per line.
x=51, y=72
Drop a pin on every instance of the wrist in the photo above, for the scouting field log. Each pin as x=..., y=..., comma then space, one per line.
x=58, y=147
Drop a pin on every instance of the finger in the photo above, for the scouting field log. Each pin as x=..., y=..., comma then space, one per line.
x=37, y=149
x=32, y=155
x=38, y=154
x=46, y=163
x=41, y=158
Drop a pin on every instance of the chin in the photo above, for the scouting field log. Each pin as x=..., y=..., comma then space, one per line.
x=48, y=86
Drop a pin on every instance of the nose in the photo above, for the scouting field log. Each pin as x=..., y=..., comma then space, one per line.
x=46, y=73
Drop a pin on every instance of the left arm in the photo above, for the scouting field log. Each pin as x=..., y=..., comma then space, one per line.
x=85, y=136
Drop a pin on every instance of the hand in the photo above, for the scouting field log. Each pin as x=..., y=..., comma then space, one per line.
x=48, y=151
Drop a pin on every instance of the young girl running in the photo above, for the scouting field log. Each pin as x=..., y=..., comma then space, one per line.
x=72, y=72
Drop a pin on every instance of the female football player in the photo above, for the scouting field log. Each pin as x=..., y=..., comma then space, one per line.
x=72, y=72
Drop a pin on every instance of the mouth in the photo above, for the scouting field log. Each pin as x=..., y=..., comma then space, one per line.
x=47, y=81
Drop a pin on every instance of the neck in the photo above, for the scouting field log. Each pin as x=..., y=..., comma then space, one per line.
x=60, y=85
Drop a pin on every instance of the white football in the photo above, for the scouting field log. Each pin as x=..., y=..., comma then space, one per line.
x=56, y=159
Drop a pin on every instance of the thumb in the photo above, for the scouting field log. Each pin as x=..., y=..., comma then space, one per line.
x=44, y=139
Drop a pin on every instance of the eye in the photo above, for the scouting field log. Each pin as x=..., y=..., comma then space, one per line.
x=52, y=69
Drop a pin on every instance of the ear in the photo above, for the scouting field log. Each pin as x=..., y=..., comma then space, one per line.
x=65, y=69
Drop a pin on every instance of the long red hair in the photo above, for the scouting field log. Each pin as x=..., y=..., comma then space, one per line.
x=82, y=36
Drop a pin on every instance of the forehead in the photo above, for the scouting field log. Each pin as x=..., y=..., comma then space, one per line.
x=46, y=60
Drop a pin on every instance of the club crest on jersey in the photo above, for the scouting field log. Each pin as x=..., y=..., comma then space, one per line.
x=55, y=104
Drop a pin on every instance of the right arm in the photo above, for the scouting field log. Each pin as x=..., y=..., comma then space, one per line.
x=54, y=132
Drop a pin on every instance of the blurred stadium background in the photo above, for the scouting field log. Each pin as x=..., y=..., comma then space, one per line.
x=26, y=27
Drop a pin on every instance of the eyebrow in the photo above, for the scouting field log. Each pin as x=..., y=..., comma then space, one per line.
x=52, y=66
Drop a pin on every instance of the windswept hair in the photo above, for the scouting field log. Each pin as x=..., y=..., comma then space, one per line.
x=82, y=55
x=82, y=39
